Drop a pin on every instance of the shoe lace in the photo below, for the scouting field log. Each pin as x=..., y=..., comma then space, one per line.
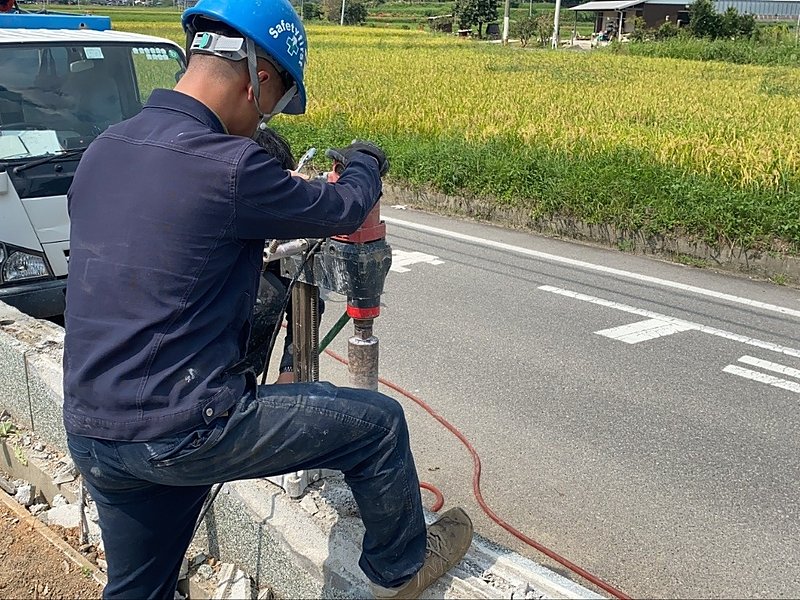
x=434, y=546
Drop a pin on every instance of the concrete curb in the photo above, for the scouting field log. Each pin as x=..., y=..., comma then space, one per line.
x=306, y=548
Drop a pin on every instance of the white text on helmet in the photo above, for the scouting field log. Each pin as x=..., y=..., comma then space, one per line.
x=281, y=27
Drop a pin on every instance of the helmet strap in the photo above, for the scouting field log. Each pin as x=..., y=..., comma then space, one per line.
x=252, y=66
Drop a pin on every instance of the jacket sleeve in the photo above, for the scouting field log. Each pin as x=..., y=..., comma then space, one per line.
x=271, y=204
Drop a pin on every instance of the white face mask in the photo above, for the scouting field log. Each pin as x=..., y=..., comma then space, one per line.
x=252, y=65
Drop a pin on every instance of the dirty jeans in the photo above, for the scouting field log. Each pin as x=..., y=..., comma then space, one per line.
x=149, y=494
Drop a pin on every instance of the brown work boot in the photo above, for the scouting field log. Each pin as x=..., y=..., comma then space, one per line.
x=448, y=541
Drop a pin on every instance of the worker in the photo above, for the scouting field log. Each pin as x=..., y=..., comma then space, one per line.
x=169, y=213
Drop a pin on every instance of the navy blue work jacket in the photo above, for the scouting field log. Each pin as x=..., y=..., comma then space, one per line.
x=168, y=220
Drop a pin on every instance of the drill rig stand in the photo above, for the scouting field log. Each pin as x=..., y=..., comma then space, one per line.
x=354, y=266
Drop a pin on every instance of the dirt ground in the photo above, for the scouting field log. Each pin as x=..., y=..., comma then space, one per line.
x=31, y=567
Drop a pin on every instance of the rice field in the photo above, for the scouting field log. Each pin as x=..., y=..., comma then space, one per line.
x=651, y=144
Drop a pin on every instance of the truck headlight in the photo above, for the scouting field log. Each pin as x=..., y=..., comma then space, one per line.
x=21, y=265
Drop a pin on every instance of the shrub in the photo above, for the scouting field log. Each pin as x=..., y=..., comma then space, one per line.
x=668, y=30
x=355, y=11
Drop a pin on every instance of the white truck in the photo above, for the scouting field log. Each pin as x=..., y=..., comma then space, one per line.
x=63, y=80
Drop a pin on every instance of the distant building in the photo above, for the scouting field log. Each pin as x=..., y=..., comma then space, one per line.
x=765, y=10
x=616, y=17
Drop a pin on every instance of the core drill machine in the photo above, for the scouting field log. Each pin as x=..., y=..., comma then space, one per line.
x=354, y=266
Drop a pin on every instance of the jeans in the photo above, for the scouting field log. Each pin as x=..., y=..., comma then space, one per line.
x=149, y=494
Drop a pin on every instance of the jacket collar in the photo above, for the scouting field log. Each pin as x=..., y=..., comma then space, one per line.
x=180, y=102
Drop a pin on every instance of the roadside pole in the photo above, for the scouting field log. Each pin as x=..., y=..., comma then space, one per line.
x=557, y=26
x=506, y=14
x=797, y=30
x=341, y=20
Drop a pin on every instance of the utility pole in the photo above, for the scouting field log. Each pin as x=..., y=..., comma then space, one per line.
x=530, y=8
x=797, y=30
x=506, y=14
x=557, y=26
x=341, y=21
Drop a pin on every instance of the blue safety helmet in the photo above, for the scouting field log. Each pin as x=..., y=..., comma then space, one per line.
x=272, y=26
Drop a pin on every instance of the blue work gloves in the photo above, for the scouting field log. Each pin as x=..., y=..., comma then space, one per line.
x=343, y=155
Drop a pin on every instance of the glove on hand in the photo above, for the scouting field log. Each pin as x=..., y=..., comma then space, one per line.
x=343, y=155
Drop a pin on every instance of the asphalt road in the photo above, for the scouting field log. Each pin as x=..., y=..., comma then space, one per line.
x=661, y=454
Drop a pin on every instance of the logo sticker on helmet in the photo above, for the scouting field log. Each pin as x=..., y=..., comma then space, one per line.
x=293, y=45
x=295, y=40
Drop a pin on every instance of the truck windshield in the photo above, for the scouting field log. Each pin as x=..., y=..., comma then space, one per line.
x=58, y=97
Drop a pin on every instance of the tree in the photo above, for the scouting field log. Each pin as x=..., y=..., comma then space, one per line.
x=747, y=25
x=355, y=11
x=312, y=10
x=729, y=23
x=525, y=29
x=475, y=12
x=667, y=30
x=640, y=32
x=544, y=28
x=704, y=21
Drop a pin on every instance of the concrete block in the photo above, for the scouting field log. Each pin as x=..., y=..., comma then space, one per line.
x=38, y=508
x=14, y=380
x=241, y=587
x=309, y=505
x=196, y=590
x=224, y=576
x=37, y=471
x=241, y=528
x=25, y=494
x=66, y=471
x=7, y=486
x=303, y=555
x=31, y=380
x=45, y=381
x=67, y=516
x=233, y=584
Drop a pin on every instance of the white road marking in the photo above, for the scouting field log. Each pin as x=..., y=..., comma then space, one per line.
x=763, y=378
x=641, y=331
x=402, y=259
x=593, y=267
x=674, y=321
x=770, y=366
